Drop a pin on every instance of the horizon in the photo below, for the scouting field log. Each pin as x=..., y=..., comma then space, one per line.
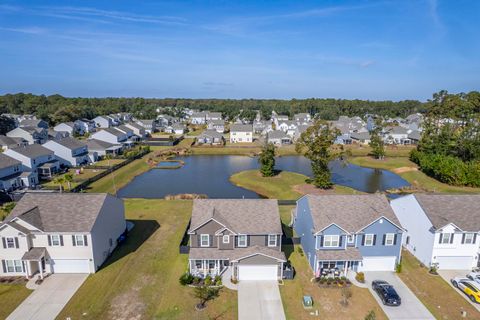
x=365, y=50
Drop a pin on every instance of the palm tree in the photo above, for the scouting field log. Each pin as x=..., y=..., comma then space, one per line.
x=60, y=180
x=68, y=177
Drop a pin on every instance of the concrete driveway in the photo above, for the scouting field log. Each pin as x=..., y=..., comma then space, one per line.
x=259, y=300
x=46, y=302
x=411, y=308
x=449, y=274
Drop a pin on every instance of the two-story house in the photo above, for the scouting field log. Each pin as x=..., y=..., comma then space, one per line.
x=69, y=151
x=441, y=230
x=85, y=126
x=149, y=125
x=217, y=125
x=36, y=158
x=36, y=123
x=103, y=122
x=31, y=134
x=10, y=142
x=69, y=127
x=138, y=130
x=10, y=171
x=102, y=148
x=243, y=236
x=348, y=232
x=111, y=135
x=60, y=233
x=241, y=133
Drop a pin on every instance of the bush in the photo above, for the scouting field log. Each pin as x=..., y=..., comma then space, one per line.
x=398, y=267
x=196, y=280
x=186, y=279
x=300, y=251
x=208, y=281
x=360, y=277
x=218, y=280
x=371, y=315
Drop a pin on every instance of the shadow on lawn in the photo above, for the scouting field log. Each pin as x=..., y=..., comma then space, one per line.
x=140, y=233
x=287, y=244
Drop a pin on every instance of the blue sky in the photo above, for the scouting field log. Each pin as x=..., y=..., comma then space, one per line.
x=404, y=49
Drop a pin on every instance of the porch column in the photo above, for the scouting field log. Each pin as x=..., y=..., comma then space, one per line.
x=205, y=265
x=40, y=268
x=27, y=268
x=345, y=269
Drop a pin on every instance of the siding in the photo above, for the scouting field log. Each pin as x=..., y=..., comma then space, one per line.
x=303, y=227
x=380, y=250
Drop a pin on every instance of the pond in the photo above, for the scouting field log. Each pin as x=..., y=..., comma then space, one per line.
x=210, y=175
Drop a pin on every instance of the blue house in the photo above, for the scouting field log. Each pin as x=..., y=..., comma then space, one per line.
x=348, y=232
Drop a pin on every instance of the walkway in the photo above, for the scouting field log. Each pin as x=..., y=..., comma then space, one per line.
x=259, y=300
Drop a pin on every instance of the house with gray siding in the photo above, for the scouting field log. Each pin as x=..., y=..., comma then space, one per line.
x=30, y=134
x=242, y=237
x=36, y=158
x=69, y=151
x=10, y=171
x=11, y=142
x=348, y=233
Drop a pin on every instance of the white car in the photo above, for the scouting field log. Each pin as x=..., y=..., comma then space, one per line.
x=474, y=276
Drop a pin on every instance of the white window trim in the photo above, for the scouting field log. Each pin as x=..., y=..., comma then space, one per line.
x=332, y=238
x=13, y=241
x=14, y=266
x=348, y=239
x=371, y=239
x=82, y=241
x=52, y=241
x=226, y=237
x=274, y=238
x=238, y=240
x=202, y=238
x=443, y=238
x=387, y=235
x=471, y=235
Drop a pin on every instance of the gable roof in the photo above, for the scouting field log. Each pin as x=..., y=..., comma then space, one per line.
x=349, y=212
x=94, y=144
x=70, y=143
x=11, y=141
x=243, y=216
x=6, y=161
x=59, y=212
x=462, y=210
x=241, y=128
x=33, y=150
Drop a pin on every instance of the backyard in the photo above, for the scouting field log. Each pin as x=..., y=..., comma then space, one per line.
x=140, y=280
x=436, y=294
x=78, y=178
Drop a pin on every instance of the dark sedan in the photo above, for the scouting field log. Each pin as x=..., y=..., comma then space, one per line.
x=387, y=293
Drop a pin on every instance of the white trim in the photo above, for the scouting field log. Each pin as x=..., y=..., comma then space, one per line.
x=59, y=241
x=227, y=237
x=201, y=240
x=76, y=240
x=268, y=240
x=392, y=235
x=471, y=240
x=18, y=218
x=6, y=242
x=255, y=254
x=332, y=239
x=382, y=217
x=332, y=224
x=224, y=228
x=238, y=241
x=353, y=238
x=365, y=242
x=3, y=226
x=204, y=223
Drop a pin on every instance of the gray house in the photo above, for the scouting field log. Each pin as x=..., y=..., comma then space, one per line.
x=278, y=138
x=69, y=151
x=36, y=158
x=36, y=123
x=240, y=237
x=210, y=137
x=30, y=134
x=102, y=148
x=10, y=171
x=11, y=142
x=348, y=232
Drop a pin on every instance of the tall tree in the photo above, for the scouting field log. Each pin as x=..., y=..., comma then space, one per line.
x=316, y=144
x=376, y=141
x=267, y=160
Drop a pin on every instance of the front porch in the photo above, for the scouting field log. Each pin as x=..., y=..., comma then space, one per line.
x=34, y=262
x=337, y=263
x=203, y=267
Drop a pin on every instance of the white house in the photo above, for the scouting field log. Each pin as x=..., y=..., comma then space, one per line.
x=441, y=229
x=103, y=122
x=102, y=148
x=241, y=133
x=60, y=233
x=36, y=158
x=396, y=135
x=149, y=125
x=85, y=125
x=69, y=127
x=137, y=129
x=289, y=127
x=111, y=135
x=69, y=151
x=217, y=125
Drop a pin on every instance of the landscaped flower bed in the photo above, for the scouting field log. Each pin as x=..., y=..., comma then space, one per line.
x=329, y=282
x=188, y=279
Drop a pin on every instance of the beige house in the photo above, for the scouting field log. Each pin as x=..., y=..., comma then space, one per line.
x=241, y=133
x=242, y=237
x=60, y=233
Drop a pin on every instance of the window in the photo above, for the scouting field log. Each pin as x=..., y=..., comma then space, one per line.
x=331, y=241
x=204, y=240
x=368, y=240
x=226, y=238
x=272, y=240
x=445, y=238
x=78, y=240
x=389, y=239
x=55, y=240
x=14, y=266
x=468, y=238
x=407, y=241
x=351, y=238
x=242, y=241
x=198, y=264
x=10, y=241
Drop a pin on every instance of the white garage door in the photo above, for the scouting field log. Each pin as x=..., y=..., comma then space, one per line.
x=378, y=264
x=71, y=266
x=454, y=263
x=257, y=272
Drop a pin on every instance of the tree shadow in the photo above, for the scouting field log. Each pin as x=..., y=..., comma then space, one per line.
x=140, y=233
x=287, y=243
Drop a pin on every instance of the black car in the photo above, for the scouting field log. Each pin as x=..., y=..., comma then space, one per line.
x=387, y=293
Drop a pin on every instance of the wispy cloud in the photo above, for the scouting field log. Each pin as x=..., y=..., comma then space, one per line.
x=27, y=30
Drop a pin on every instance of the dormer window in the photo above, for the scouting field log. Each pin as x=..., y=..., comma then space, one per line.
x=331, y=240
x=242, y=241
x=204, y=240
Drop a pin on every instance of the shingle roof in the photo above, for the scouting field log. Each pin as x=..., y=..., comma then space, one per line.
x=71, y=143
x=462, y=210
x=235, y=254
x=349, y=212
x=35, y=253
x=30, y=123
x=245, y=216
x=241, y=128
x=94, y=144
x=6, y=161
x=277, y=134
x=349, y=254
x=10, y=141
x=33, y=150
x=113, y=131
x=360, y=135
x=210, y=133
x=59, y=212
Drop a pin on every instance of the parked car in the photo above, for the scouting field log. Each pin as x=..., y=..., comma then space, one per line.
x=474, y=276
x=470, y=288
x=387, y=293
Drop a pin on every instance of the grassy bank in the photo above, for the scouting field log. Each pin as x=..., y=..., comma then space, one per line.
x=286, y=185
x=140, y=279
x=11, y=295
x=409, y=171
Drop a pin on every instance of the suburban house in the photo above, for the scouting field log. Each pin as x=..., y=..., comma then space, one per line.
x=360, y=137
x=111, y=135
x=132, y=138
x=57, y=135
x=137, y=129
x=102, y=148
x=69, y=127
x=30, y=134
x=287, y=126
x=348, y=232
x=11, y=142
x=278, y=138
x=85, y=126
x=33, y=123
x=241, y=236
x=210, y=137
x=36, y=158
x=60, y=233
x=176, y=128
x=415, y=137
x=217, y=125
x=10, y=171
x=441, y=230
x=69, y=151
x=262, y=127
x=241, y=133
x=302, y=118
x=150, y=126
x=204, y=117
x=103, y=122
x=396, y=135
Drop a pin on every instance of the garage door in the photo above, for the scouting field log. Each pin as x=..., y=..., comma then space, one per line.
x=257, y=272
x=378, y=264
x=454, y=263
x=71, y=266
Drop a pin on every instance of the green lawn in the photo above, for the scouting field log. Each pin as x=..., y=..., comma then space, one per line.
x=434, y=292
x=11, y=295
x=409, y=171
x=284, y=186
x=109, y=163
x=140, y=280
x=77, y=178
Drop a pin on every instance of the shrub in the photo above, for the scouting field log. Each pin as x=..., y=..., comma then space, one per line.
x=360, y=277
x=208, y=281
x=186, y=279
x=398, y=267
x=300, y=251
x=196, y=280
x=371, y=315
x=218, y=280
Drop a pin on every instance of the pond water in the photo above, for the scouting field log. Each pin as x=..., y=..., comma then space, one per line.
x=210, y=175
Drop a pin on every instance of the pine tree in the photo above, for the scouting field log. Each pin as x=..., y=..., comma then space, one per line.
x=267, y=160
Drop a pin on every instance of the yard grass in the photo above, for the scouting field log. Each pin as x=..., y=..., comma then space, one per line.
x=409, y=171
x=284, y=186
x=140, y=280
x=77, y=178
x=326, y=300
x=436, y=294
x=108, y=163
x=11, y=295
x=390, y=150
